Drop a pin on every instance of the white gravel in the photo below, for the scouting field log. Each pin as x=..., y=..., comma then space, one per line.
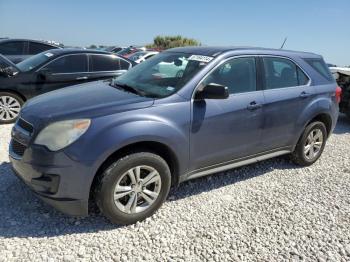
x=264, y=212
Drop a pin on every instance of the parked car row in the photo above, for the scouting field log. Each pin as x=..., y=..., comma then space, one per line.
x=52, y=70
x=182, y=114
x=17, y=50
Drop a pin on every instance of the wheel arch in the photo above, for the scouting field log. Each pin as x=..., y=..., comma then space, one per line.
x=14, y=92
x=155, y=147
x=325, y=118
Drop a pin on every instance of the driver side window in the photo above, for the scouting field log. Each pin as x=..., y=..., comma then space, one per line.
x=238, y=74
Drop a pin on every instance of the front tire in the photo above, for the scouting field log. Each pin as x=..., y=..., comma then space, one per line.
x=133, y=188
x=311, y=144
x=10, y=107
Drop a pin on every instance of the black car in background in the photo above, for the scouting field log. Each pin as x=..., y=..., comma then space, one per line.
x=18, y=50
x=52, y=70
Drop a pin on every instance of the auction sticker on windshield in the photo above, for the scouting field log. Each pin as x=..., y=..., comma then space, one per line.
x=200, y=58
x=49, y=54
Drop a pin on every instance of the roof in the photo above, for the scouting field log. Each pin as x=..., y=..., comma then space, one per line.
x=76, y=51
x=4, y=40
x=217, y=50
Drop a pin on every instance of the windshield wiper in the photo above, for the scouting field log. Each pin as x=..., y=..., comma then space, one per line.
x=130, y=89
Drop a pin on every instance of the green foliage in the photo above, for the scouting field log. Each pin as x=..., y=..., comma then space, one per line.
x=92, y=47
x=165, y=42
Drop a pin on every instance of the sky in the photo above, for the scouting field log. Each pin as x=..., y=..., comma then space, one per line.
x=318, y=26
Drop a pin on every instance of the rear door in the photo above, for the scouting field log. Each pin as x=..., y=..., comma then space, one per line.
x=287, y=92
x=61, y=72
x=103, y=66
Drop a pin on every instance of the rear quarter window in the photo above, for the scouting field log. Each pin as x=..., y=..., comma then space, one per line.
x=320, y=66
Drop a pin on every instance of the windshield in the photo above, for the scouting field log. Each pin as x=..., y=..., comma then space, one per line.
x=163, y=75
x=34, y=61
x=137, y=56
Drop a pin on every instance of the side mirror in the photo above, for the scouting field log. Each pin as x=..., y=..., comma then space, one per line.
x=7, y=71
x=213, y=91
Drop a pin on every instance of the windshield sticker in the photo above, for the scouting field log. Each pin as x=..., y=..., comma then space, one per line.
x=170, y=88
x=49, y=54
x=201, y=58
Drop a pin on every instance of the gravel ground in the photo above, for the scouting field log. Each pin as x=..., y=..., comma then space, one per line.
x=267, y=211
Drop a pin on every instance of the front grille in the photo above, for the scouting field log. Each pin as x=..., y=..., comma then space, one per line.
x=25, y=125
x=18, y=148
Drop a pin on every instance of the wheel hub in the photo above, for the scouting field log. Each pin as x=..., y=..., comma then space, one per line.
x=137, y=189
x=9, y=108
x=313, y=144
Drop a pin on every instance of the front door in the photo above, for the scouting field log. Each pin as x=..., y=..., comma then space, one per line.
x=228, y=129
x=61, y=72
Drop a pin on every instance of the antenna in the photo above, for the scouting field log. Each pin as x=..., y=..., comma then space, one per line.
x=285, y=40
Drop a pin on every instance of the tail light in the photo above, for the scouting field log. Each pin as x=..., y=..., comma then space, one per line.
x=338, y=92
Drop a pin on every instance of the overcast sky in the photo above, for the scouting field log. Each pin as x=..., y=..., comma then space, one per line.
x=317, y=26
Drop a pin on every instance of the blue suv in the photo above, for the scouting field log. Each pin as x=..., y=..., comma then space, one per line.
x=185, y=113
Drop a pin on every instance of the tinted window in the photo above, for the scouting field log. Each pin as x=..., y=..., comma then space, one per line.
x=302, y=78
x=238, y=74
x=106, y=63
x=68, y=64
x=124, y=65
x=36, y=48
x=280, y=72
x=320, y=66
x=12, y=48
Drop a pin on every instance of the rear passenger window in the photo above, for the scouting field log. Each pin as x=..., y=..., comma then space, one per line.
x=280, y=73
x=12, y=48
x=238, y=74
x=36, y=48
x=101, y=63
x=68, y=64
x=302, y=78
x=320, y=66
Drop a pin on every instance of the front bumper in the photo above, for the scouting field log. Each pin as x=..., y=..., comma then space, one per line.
x=55, y=178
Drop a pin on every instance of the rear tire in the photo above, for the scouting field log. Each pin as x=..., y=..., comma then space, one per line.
x=310, y=145
x=10, y=107
x=133, y=187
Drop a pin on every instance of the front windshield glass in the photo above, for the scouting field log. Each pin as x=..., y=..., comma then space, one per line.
x=34, y=61
x=163, y=75
x=124, y=51
x=137, y=56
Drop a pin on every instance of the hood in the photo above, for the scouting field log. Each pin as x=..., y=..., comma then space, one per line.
x=82, y=101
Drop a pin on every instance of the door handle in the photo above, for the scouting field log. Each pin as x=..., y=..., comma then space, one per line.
x=254, y=106
x=81, y=78
x=304, y=94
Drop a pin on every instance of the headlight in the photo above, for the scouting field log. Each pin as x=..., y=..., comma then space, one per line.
x=63, y=133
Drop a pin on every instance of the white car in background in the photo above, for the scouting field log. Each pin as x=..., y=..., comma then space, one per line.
x=141, y=56
x=169, y=70
x=338, y=71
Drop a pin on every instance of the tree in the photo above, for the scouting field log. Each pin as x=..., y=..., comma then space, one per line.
x=92, y=46
x=165, y=42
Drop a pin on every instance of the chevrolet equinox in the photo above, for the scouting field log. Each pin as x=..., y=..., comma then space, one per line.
x=123, y=143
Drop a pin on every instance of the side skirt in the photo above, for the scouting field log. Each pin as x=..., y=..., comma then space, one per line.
x=232, y=164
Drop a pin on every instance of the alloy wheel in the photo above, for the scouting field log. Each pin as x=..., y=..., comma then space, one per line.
x=313, y=144
x=137, y=189
x=9, y=108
